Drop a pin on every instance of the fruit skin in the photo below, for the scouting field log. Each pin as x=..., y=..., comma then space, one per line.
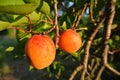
x=70, y=41
x=40, y=50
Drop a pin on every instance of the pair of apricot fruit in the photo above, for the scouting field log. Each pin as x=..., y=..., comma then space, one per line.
x=41, y=51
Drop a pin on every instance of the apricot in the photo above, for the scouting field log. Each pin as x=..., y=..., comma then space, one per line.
x=40, y=50
x=70, y=41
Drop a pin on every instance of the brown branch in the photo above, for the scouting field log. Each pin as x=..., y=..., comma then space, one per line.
x=100, y=73
x=56, y=22
x=77, y=20
x=96, y=2
x=112, y=69
x=91, y=65
x=95, y=67
x=75, y=72
x=88, y=45
x=110, y=16
x=110, y=11
x=30, y=24
x=51, y=21
x=91, y=14
x=114, y=51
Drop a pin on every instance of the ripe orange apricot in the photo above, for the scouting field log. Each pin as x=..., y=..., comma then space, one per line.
x=70, y=41
x=40, y=50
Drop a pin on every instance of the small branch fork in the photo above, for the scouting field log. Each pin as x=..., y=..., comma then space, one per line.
x=77, y=20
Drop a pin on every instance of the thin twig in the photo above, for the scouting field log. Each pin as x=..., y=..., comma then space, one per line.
x=30, y=24
x=96, y=2
x=114, y=51
x=56, y=22
x=75, y=72
x=91, y=14
x=112, y=69
x=100, y=73
x=95, y=67
x=48, y=31
x=77, y=20
x=51, y=21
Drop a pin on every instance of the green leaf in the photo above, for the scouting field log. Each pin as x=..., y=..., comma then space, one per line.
x=10, y=48
x=44, y=7
x=42, y=27
x=4, y=25
x=55, y=69
x=17, y=7
x=31, y=1
x=64, y=25
x=20, y=20
x=11, y=2
x=118, y=3
x=6, y=17
x=22, y=36
x=31, y=68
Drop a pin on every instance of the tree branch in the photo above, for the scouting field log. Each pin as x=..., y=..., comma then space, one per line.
x=56, y=22
x=114, y=51
x=77, y=20
x=110, y=12
x=88, y=45
x=75, y=72
x=112, y=69
x=91, y=15
x=100, y=73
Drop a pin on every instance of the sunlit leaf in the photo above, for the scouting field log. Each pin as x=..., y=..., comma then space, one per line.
x=9, y=49
x=44, y=7
x=22, y=36
x=31, y=68
x=64, y=25
x=17, y=7
x=4, y=25
x=20, y=20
